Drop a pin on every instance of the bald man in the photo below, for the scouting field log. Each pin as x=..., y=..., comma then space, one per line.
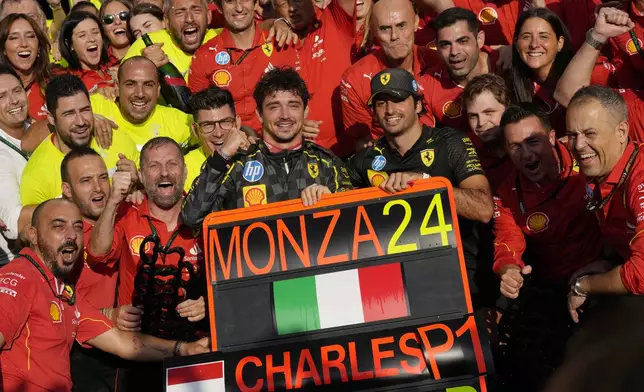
x=393, y=23
x=137, y=111
x=40, y=311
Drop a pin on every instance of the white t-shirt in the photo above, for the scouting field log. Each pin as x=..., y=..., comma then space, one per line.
x=11, y=166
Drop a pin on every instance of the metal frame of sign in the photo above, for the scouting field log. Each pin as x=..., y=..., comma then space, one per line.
x=239, y=216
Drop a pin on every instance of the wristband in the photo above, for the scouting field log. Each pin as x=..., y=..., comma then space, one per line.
x=223, y=155
x=177, y=348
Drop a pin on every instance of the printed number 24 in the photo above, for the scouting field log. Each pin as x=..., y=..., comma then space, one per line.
x=441, y=228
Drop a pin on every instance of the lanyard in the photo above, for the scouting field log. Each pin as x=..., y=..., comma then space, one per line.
x=68, y=295
x=636, y=42
x=155, y=233
x=13, y=147
x=594, y=204
x=552, y=195
x=245, y=54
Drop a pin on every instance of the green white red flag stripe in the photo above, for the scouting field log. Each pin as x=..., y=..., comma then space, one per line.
x=339, y=298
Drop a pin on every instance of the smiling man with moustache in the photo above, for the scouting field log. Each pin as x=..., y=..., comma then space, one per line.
x=281, y=166
x=71, y=114
x=136, y=111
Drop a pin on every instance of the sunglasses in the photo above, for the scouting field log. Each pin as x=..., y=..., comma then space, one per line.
x=108, y=19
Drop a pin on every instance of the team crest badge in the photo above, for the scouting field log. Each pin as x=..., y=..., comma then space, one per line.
x=254, y=195
x=376, y=177
x=385, y=78
x=267, y=48
x=427, y=156
x=537, y=222
x=314, y=170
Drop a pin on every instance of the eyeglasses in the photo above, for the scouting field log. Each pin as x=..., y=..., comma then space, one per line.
x=225, y=124
x=108, y=19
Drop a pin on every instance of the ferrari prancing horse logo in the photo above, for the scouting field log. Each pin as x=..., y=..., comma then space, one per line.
x=385, y=78
x=427, y=156
x=313, y=170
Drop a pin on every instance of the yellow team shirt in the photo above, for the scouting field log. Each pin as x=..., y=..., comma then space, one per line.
x=41, y=177
x=194, y=161
x=163, y=121
x=178, y=57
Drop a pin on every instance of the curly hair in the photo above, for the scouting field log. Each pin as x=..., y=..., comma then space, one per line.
x=280, y=79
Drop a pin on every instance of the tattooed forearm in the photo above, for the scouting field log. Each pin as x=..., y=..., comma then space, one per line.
x=139, y=344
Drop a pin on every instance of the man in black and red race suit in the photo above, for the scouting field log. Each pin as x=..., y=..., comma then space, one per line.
x=409, y=151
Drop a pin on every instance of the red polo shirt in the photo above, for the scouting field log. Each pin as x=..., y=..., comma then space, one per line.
x=92, y=79
x=321, y=60
x=219, y=63
x=37, y=104
x=635, y=103
x=39, y=328
x=498, y=19
x=355, y=90
x=98, y=282
x=129, y=232
x=622, y=218
x=443, y=95
x=563, y=235
x=627, y=59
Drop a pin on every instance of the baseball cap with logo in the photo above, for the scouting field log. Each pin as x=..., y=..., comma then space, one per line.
x=394, y=82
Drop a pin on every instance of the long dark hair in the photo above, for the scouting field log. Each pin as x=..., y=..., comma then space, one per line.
x=41, y=68
x=65, y=39
x=520, y=76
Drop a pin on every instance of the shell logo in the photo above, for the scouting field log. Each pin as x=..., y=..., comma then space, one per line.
x=254, y=195
x=135, y=245
x=537, y=222
x=222, y=78
x=631, y=48
x=452, y=109
x=55, y=313
x=488, y=16
x=376, y=177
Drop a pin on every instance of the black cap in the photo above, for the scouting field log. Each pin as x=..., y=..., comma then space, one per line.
x=395, y=82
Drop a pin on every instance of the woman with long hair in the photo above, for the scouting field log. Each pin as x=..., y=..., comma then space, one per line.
x=541, y=51
x=144, y=18
x=114, y=16
x=26, y=50
x=83, y=45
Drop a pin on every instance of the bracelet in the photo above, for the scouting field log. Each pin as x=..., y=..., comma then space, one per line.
x=575, y=288
x=590, y=40
x=177, y=348
x=290, y=26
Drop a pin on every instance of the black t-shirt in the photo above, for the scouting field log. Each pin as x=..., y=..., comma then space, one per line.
x=439, y=152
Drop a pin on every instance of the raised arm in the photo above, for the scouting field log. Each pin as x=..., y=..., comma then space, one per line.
x=610, y=23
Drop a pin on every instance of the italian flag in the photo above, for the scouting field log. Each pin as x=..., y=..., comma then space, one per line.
x=339, y=298
x=195, y=378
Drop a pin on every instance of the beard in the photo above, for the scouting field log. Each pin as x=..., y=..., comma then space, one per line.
x=63, y=272
x=164, y=201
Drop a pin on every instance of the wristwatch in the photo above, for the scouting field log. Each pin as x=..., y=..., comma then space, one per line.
x=590, y=40
x=575, y=287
